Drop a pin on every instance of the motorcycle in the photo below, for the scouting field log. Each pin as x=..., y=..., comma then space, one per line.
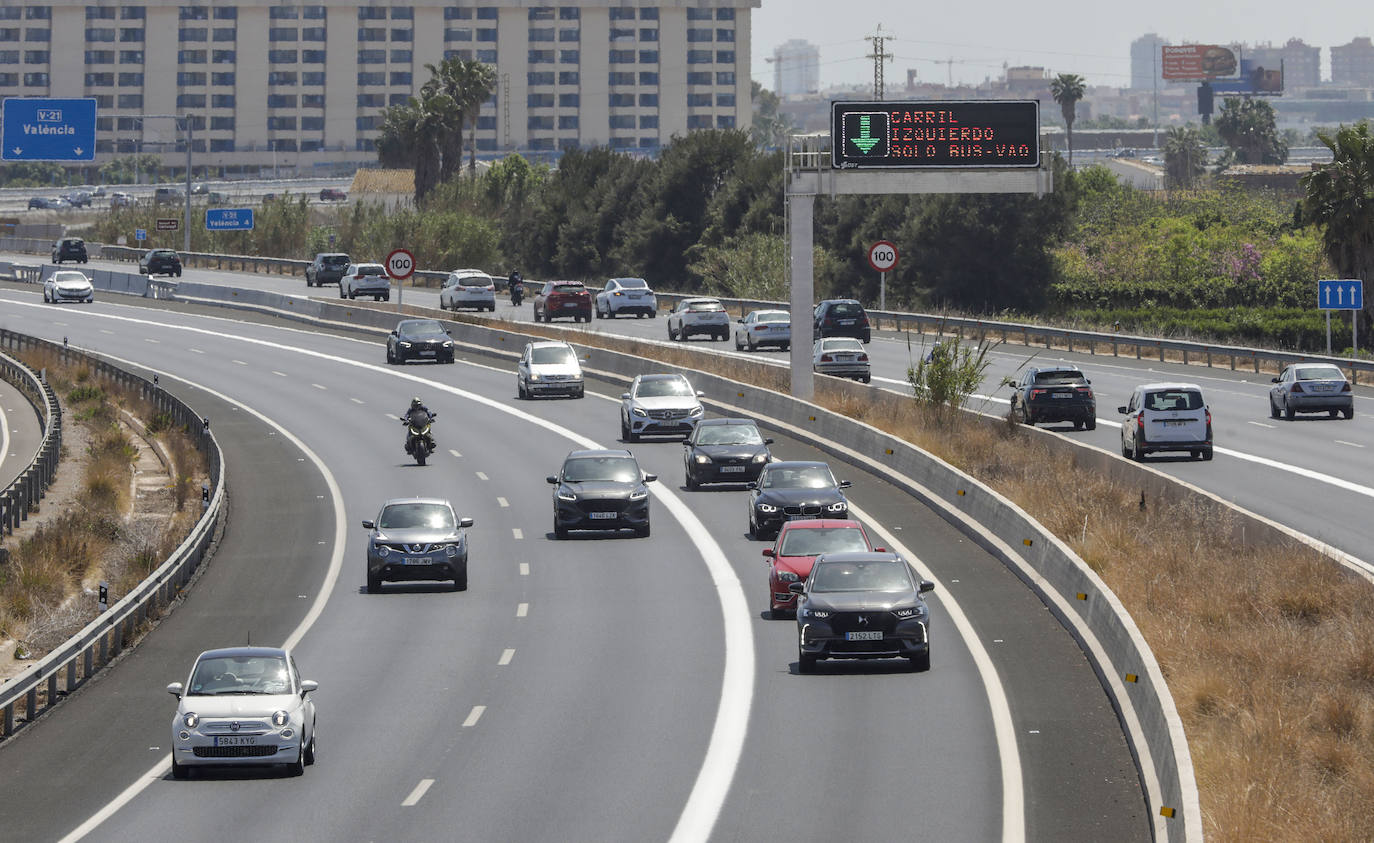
x=517, y=294
x=419, y=443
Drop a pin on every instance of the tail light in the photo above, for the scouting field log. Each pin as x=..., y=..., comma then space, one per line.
x=827, y=358
x=863, y=358
x=826, y=322
x=1085, y=391
x=1345, y=387
x=1036, y=393
x=1297, y=387
x=1140, y=427
x=863, y=321
x=1209, y=425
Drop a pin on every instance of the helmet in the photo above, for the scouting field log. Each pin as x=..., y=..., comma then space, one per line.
x=415, y=402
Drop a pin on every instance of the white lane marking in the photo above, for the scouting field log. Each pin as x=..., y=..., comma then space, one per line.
x=319, y=386
x=474, y=716
x=506, y=656
x=481, y=475
x=418, y=793
x=522, y=610
x=1351, y=444
x=196, y=351
x=517, y=533
x=455, y=453
x=502, y=502
x=357, y=400
x=279, y=374
x=4, y=436
x=240, y=362
x=331, y=577
x=524, y=569
x=1260, y=424
x=145, y=339
x=106, y=331
x=392, y=417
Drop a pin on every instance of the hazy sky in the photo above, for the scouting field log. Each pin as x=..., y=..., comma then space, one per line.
x=1093, y=40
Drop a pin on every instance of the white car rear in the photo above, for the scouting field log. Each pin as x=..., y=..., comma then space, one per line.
x=842, y=357
x=699, y=316
x=468, y=288
x=365, y=279
x=626, y=295
x=1166, y=417
x=764, y=327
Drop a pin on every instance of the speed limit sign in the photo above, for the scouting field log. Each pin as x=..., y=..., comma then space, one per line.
x=882, y=256
x=400, y=264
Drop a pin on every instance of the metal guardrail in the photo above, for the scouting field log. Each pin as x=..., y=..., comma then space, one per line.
x=18, y=498
x=28, y=695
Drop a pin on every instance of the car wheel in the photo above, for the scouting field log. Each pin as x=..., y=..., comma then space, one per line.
x=867, y=379
x=1288, y=411
x=384, y=298
x=352, y=295
x=1137, y=452
x=559, y=531
x=692, y=483
x=1206, y=454
x=921, y=663
x=310, y=751
x=460, y=582
x=1090, y=424
x=805, y=663
x=178, y=273
x=1195, y=453
x=390, y=358
x=1273, y=408
x=1349, y=414
x=297, y=767
x=180, y=771
x=624, y=431
x=1334, y=413
x=671, y=335
x=753, y=530
x=341, y=291
x=1077, y=424
x=374, y=584
x=738, y=347
x=1125, y=449
x=642, y=532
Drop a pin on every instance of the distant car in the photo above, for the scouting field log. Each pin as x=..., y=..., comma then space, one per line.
x=69, y=249
x=626, y=295
x=724, y=451
x=862, y=606
x=842, y=357
x=98, y=191
x=548, y=367
x=40, y=203
x=659, y=405
x=68, y=285
x=78, y=198
x=417, y=539
x=327, y=268
x=793, y=490
x=559, y=299
x=1166, y=417
x=1054, y=394
x=243, y=706
x=332, y=194
x=167, y=195
x=468, y=288
x=365, y=279
x=119, y=199
x=199, y=189
x=600, y=490
x=795, y=551
x=269, y=197
x=698, y=316
x=160, y=262
x=764, y=327
x=1311, y=388
x=842, y=318
x=419, y=339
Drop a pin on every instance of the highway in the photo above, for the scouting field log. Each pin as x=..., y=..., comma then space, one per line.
x=21, y=432
x=592, y=689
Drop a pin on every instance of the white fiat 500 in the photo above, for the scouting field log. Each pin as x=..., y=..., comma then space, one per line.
x=243, y=706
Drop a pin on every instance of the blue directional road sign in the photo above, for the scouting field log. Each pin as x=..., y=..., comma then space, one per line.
x=228, y=219
x=1340, y=294
x=140, y=234
x=46, y=129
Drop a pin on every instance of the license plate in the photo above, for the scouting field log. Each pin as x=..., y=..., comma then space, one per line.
x=428, y=352
x=844, y=358
x=1324, y=387
x=602, y=514
x=569, y=304
x=724, y=469
x=1060, y=395
x=846, y=321
x=236, y=740
x=416, y=560
x=801, y=517
x=1176, y=422
x=863, y=636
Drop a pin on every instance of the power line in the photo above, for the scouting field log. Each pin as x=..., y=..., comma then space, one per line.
x=879, y=56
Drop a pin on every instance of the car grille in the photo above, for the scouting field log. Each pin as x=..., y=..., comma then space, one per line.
x=400, y=547
x=245, y=727
x=601, y=505
x=668, y=414
x=555, y=377
x=843, y=622
x=813, y=509
x=234, y=751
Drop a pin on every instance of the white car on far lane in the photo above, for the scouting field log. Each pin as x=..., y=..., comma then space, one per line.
x=764, y=327
x=365, y=279
x=68, y=285
x=468, y=288
x=699, y=316
x=626, y=295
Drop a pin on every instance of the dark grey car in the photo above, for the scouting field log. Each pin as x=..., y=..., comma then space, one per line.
x=1311, y=388
x=724, y=451
x=327, y=268
x=600, y=490
x=858, y=605
x=788, y=491
x=417, y=539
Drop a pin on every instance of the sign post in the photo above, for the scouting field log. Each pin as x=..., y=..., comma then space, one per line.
x=47, y=129
x=882, y=256
x=1341, y=294
x=400, y=265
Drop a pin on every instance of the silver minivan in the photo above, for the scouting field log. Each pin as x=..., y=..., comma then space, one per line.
x=1166, y=417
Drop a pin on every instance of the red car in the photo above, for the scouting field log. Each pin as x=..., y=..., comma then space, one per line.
x=795, y=551
x=560, y=299
x=332, y=194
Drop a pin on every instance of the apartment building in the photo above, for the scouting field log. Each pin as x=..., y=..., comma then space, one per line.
x=1353, y=64
x=297, y=88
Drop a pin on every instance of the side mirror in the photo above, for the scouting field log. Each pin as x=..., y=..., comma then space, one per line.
x=649, y=478
x=551, y=479
x=768, y=551
x=175, y=689
x=925, y=586
x=768, y=441
x=450, y=333
x=1274, y=380
x=464, y=522
x=393, y=333
x=624, y=396
x=845, y=484
x=797, y=587
x=369, y=525
x=1121, y=410
x=308, y=685
x=880, y=550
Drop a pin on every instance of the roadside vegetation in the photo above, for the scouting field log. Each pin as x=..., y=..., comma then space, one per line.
x=91, y=527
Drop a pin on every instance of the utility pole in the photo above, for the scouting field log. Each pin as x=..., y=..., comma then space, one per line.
x=879, y=55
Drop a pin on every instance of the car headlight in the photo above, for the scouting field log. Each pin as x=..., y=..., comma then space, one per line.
x=639, y=494
x=534, y=376
x=696, y=411
x=762, y=456
x=565, y=495
x=451, y=550
x=702, y=459
x=190, y=719
x=280, y=718
x=909, y=613
x=448, y=343
x=638, y=411
x=383, y=551
x=788, y=576
x=405, y=344
x=814, y=613
x=837, y=507
x=766, y=507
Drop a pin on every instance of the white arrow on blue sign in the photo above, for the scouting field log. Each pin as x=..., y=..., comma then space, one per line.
x=47, y=129
x=228, y=219
x=1340, y=294
x=140, y=234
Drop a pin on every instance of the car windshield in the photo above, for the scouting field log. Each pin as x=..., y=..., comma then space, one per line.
x=240, y=675
x=475, y=281
x=561, y=355
x=164, y=254
x=370, y=269
x=818, y=540
x=844, y=309
x=804, y=477
x=568, y=288
x=334, y=260
x=69, y=276
x=1173, y=399
x=632, y=283
x=416, y=516
x=841, y=344
x=772, y=316
x=660, y=387
x=705, y=306
x=428, y=329
x=728, y=434
x=881, y=575
x=1319, y=373
x=594, y=469
x=1056, y=377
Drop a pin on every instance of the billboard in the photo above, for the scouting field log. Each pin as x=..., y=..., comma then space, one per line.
x=936, y=133
x=1254, y=79
x=1197, y=62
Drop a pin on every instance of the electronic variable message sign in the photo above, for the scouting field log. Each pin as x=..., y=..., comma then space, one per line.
x=937, y=134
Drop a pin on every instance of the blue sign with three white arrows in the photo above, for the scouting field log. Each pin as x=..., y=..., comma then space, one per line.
x=46, y=129
x=1340, y=294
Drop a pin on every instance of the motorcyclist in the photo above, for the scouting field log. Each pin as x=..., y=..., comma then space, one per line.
x=417, y=407
x=517, y=287
x=934, y=350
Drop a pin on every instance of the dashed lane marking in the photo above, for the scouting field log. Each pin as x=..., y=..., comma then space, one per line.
x=418, y=793
x=474, y=716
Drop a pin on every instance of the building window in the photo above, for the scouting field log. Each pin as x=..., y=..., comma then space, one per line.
x=569, y=13
x=569, y=56
x=487, y=13
x=569, y=77
x=312, y=56
x=619, y=35
x=617, y=77
x=371, y=100
x=38, y=35
x=569, y=35
x=539, y=101
x=622, y=56
x=223, y=33
x=222, y=124
x=541, y=57
x=127, y=124
x=371, y=13
x=132, y=13
x=725, y=121
x=371, y=33
x=221, y=100
x=698, y=121
x=104, y=101
x=622, y=100
x=190, y=57
x=403, y=13
x=699, y=57
x=542, y=144
x=725, y=57
x=457, y=34
x=282, y=144
x=486, y=56
x=648, y=77
x=131, y=57
x=365, y=145
x=725, y=100
x=648, y=100
x=486, y=34
x=648, y=56
x=312, y=78
x=9, y=57
x=455, y=13
x=281, y=100
x=569, y=100
x=567, y=121
x=724, y=77
x=225, y=79
x=223, y=56
x=190, y=79
x=190, y=100
x=100, y=13
x=281, y=77
x=36, y=80
x=698, y=100
x=312, y=124
x=102, y=124
x=462, y=55
x=541, y=13
x=401, y=56
x=313, y=33
x=282, y=13
x=648, y=34
x=99, y=80
x=648, y=14
x=698, y=78
x=100, y=57
x=283, y=33
x=131, y=80
x=401, y=77
x=725, y=35
x=622, y=121
x=313, y=12
x=130, y=100
x=696, y=36
x=313, y=100
x=543, y=77
x=486, y=123
x=197, y=34
x=648, y=121
x=35, y=57
x=224, y=13
x=97, y=34
x=129, y=36
x=372, y=57
x=195, y=12
x=281, y=123
x=282, y=56
x=698, y=14
x=725, y=14
x=402, y=35
x=622, y=14
x=221, y=144
x=541, y=34
x=622, y=143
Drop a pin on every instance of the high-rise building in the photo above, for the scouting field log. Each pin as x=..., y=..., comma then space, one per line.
x=297, y=86
x=1146, y=67
x=796, y=68
x=1353, y=64
x=1302, y=65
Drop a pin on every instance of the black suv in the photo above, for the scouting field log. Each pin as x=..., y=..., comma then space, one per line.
x=326, y=268
x=160, y=262
x=1054, y=394
x=600, y=490
x=842, y=318
x=69, y=249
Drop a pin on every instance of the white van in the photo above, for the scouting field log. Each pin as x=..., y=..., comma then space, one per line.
x=1166, y=417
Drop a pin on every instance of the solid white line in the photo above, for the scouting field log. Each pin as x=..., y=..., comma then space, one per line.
x=1351, y=444
x=506, y=656
x=524, y=569
x=522, y=610
x=1004, y=729
x=4, y=436
x=1260, y=424
x=481, y=475
x=517, y=533
x=474, y=716
x=418, y=793
x=145, y=339
x=502, y=502
x=106, y=331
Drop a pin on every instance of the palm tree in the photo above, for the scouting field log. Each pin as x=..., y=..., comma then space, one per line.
x=1340, y=197
x=410, y=136
x=1185, y=157
x=1247, y=126
x=1067, y=89
x=467, y=84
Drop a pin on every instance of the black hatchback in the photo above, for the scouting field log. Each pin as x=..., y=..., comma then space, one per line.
x=160, y=262
x=1054, y=394
x=724, y=451
x=842, y=318
x=69, y=249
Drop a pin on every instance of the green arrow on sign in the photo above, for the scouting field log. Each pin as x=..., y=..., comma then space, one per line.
x=865, y=141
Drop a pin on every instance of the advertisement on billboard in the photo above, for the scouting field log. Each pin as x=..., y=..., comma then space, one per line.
x=1198, y=63
x=1254, y=79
